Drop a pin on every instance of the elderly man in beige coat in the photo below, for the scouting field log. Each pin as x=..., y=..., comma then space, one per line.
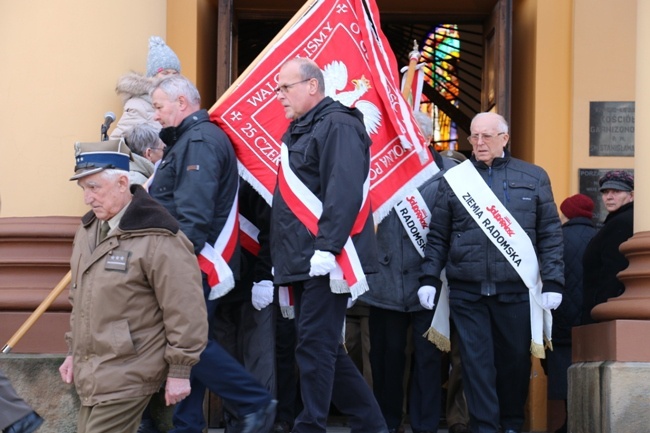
x=138, y=315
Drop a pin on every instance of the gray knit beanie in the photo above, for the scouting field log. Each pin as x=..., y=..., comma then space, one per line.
x=161, y=57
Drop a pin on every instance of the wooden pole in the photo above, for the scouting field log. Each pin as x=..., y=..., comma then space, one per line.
x=65, y=281
x=303, y=10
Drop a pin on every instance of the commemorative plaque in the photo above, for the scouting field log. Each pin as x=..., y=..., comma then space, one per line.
x=588, y=182
x=611, y=128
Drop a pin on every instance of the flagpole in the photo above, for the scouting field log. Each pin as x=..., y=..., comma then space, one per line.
x=301, y=12
x=414, y=56
x=37, y=313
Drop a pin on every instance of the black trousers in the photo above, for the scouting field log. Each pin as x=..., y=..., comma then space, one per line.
x=494, y=342
x=327, y=373
x=388, y=341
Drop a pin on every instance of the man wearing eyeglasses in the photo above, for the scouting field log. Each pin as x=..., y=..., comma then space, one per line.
x=504, y=268
x=318, y=206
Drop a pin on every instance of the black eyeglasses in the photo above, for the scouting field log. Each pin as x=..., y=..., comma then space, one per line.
x=283, y=88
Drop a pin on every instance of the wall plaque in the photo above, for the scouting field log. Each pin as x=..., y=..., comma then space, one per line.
x=588, y=183
x=611, y=128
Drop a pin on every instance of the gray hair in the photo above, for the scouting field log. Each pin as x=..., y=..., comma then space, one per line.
x=141, y=137
x=175, y=86
x=113, y=173
x=502, y=125
x=309, y=69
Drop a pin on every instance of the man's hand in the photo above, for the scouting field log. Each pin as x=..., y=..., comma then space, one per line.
x=322, y=262
x=66, y=370
x=427, y=295
x=551, y=300
x=176, y=389
x=262, y=294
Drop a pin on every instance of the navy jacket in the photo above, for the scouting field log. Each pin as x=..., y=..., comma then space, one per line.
x=396, y=284
x=577, y=233
x=473, y=264
x=197, y=179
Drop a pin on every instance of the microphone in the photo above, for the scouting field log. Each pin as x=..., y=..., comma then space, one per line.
x=109, y=118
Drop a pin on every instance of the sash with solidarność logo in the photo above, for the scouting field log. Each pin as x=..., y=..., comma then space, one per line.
x=503, y=230
x=348, y=276
x=414, y=214
x=213, y=259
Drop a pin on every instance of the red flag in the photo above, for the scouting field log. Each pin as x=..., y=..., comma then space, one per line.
x=344, y=38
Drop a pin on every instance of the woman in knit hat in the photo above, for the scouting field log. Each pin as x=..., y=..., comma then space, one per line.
x=577, y=230
x=603, y=260
x=134, y=90
x=161, y=59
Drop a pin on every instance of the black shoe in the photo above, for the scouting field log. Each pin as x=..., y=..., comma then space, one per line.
x=27, y=424
x=282, y=427
x=147, y=426
x=254, y=422
x=459, y=428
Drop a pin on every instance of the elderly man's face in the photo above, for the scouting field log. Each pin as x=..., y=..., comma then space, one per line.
x=613, y=199
x=486, y=139
x=105, y=195
x=167, y=112
x=295, y=93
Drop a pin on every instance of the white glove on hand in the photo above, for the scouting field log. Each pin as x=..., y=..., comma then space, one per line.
x=262, y=294
x=427, y=295
x=351, y=302
x=322, y=262
x=551, y=300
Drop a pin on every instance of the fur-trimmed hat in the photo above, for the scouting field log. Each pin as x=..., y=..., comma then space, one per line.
x=578, y=205
x=92, y=158
x=161, y=57
x=618, y=179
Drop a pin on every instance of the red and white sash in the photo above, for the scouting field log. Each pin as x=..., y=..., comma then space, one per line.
x=213, y=259
x=248, y=235
x=348, y=276
x=511, y=240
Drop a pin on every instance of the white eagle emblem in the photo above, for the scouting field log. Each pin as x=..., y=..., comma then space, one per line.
x=336, y=78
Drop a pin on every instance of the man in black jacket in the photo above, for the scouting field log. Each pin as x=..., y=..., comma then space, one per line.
x=197, y=182
x=324, y=167
x=490, y=303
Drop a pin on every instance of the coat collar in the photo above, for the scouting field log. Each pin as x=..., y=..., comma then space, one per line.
x=143, y=213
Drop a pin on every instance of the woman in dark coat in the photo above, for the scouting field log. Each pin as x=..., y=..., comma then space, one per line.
x=577, y=230
x=603, y=260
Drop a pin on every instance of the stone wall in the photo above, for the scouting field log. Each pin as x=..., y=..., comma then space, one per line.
x=36, y=379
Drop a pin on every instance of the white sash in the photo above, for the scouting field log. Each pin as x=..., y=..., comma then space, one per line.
x=509, y=237
x=348, y=276
x=415, y=216
x=213, y=259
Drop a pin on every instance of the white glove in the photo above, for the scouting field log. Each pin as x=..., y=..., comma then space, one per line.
x=427, y=295
x=322, y=262
x=351, y=302
x=551, y=300
x=262, y=294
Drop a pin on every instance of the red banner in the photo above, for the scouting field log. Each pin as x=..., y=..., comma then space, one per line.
x=344, y=38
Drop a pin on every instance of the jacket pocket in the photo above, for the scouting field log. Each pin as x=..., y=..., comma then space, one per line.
x=120, y=338
x=522, y=196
